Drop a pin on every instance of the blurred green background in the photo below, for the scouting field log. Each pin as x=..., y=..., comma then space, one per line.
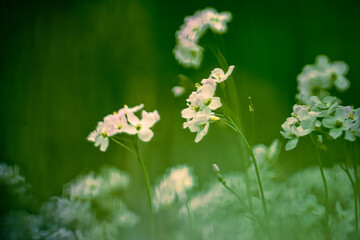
x=66, y=64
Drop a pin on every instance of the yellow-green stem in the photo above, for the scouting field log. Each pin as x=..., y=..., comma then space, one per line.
x=327, y=230
x=146, y=176
x=257, y=174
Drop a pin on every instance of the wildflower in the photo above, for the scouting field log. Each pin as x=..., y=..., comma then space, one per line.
x=188, y=53
x=174, y=186
x=200, y=125
x=219, y=76
x=353, y=131
x=202, y=102
x=101, y=135
x=142, y=127
x=324, y=107
x=86, y=187
x=217, y=21
x=187, y=50
x=337, y=123
x=317, y=79
x=293, y=132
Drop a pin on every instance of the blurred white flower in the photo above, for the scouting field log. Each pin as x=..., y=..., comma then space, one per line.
x=187, y=50
x=217, y=21
x=188, y=53
x=173, y=187
x=86, y=187
x=178, y=91
x=317, y=79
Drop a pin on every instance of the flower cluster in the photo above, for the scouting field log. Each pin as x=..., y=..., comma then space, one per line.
x=325, y=116
x=173, y=187
x=14, y=184
x=90, y=208
x=202, y=103
x=124, y=121
x=187, y=50
x=317, y=79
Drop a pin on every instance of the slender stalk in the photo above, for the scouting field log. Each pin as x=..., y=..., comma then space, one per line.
x=346, y=169
x=124, y=146
x=355, y=189
x=146, y=176
x=240, y=200
x=237, y=130
x=255, y=165
x=356, y=162
x=327, y=232
x=245, y=169
x=192, y=235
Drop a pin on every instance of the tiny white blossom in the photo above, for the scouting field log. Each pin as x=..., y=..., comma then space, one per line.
x=218, y=21
x=173, y=187
x=187, y=50
x=142, y=127
x=200, y=125
x=188, y=53
x=101, y=136
x=337, y=123
x=219, y=76
x=178, y=91
x=317, y=79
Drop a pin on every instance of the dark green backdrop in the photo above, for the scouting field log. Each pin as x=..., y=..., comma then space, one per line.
x=66, y=64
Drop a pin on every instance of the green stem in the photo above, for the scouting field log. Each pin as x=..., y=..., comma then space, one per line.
x=237, y=129
x=325, y=188
x=192, y=235
x=146, y=176
x=245, y=169
x=346, y=169
x=240, y=200
x=354, y=186
x=124, y=146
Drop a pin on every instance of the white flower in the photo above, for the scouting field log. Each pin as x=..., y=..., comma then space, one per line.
x=292, y=132
x=178, y=91
x=219, y=76
x=117, y=123
x=101, y=135
x=353, y=131
x=200, y=125
x=217, y=21
x=193, y=28
x=122, y=112
x=188, y=53
x=187, y=50
x=173, y=187
x=337, y=123
x=86, y=187
x=142, y=127
x=316, y=79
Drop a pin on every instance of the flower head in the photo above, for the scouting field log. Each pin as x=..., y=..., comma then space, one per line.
x=187, y=50
x=317, y=79
x=124, y=121
x=142, y=127
x=201, y=104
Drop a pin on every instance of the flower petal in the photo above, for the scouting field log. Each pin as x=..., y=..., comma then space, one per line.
x=145, y=134
x=335, y=133
x=291, y=144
